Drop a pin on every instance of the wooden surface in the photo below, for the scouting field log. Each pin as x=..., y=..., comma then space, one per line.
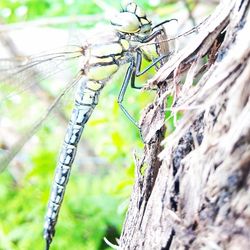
x=193, y=192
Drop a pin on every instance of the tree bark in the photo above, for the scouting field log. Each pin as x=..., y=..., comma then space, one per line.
x=194, y=192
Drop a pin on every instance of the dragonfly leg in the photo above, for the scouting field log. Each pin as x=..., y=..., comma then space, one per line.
x=147, y=39
x=130, y=76
x=139, y=60
x=138, y=67
x=134, y=70
x=151, y=36
x=155, y=33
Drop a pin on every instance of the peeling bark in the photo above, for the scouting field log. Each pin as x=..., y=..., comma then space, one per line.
x=194, y=192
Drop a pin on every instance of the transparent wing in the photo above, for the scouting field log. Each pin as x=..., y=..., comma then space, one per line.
x=29, y=92
x=21, y=73
x=8, y=157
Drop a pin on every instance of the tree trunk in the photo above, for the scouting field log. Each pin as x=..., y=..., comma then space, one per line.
x=194, y=191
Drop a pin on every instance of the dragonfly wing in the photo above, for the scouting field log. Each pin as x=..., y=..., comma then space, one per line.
x=21, y=73
x=25, y=74
x=7, y=158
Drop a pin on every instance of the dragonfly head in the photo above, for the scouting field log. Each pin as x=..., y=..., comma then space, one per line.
x=132, y=20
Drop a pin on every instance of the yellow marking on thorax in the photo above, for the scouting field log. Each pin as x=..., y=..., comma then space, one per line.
x=95, y=60
x=106, y=49
x=149, y=52
x=101, y=72
x=93, y=85
x=125, y=44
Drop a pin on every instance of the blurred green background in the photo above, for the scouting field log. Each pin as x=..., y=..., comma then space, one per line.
x=97, y=195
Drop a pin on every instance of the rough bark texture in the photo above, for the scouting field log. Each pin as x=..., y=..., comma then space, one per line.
x=194, y=192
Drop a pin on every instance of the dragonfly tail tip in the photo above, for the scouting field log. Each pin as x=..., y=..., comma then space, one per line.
x=47, y=245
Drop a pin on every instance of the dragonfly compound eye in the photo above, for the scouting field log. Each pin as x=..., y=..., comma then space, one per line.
x=134, y=8
x=126, y=22
x=132, y=20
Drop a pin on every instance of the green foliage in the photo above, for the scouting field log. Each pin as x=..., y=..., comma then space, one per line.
x=23, y=10
x=14, y=11
x=89, y=210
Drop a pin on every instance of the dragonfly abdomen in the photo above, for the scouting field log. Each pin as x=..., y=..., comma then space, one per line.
x=85, y=101
x=102, y=60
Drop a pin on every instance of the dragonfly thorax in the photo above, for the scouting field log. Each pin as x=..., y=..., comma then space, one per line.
x=132, y=20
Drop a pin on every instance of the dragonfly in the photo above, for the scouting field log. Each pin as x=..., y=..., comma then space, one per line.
x=102, y=56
